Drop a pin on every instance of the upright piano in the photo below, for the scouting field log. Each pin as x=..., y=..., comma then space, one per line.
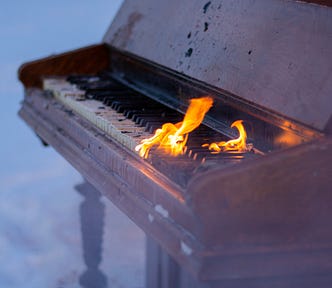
x=259, y=217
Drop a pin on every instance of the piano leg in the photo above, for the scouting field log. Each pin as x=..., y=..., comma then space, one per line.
x=163, y=272
x=92, y=214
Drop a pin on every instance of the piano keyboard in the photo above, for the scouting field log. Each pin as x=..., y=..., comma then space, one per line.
x=127, y=116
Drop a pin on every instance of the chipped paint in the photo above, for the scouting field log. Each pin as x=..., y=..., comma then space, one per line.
x=151, y=218
x=186, y=249
x=161, y=210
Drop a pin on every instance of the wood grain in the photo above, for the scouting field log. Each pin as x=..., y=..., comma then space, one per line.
x=87, y=60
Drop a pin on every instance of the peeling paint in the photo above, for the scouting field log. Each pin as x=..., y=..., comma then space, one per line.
x=161, y=210
x=186, y=249
x=151, y=218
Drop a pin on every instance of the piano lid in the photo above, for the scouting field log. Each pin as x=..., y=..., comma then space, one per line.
x=275, y=54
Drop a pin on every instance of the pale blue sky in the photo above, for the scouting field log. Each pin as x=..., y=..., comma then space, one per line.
x=31, y=30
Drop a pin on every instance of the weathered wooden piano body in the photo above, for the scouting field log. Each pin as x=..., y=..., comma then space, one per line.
x=262, y=222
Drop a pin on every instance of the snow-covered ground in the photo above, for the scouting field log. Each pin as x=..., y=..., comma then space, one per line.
x=40, y=226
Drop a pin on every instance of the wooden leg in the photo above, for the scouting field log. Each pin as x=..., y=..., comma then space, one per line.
x=92, y=214
x=163, y=272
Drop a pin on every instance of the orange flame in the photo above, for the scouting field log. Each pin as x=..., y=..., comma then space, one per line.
x=238, y=144
x=172, y=138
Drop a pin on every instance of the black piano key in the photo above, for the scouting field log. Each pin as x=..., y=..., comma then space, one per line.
x=152, y=127
x=144, y=119
x=134, y=111
x=128, y=103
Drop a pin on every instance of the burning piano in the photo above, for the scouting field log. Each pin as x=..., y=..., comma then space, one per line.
x=210, y=130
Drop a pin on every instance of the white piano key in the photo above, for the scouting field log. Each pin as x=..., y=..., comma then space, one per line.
x=114, y=124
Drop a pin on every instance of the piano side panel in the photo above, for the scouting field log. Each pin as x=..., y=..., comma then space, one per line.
x=281, y=199
x=87, y=60
x=259, y=214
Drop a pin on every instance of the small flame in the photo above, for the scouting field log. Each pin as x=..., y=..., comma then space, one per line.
x=172, y=138
x=238, y=144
